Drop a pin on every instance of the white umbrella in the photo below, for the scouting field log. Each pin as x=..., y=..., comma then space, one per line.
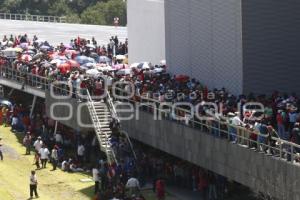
x=163, y=62
x=90, y=46
x=120, y=57
x=93, y=72
x=157, y=70
x=39, y=41
x=134, y=65
x=144, y=65
x=124, y=72
x=106, y=68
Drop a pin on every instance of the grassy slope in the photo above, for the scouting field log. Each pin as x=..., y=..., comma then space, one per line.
x=53, y=185
x=15, y=170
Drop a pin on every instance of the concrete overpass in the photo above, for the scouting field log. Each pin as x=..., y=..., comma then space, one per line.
x=262, y=173
x=268, y=174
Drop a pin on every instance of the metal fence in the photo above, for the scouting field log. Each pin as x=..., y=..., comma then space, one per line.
x=28, y=17
x=272, y=146
x=239, y=135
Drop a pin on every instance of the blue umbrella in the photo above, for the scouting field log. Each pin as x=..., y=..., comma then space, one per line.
x=104, y=59
x=45, y=47
x=84, y=59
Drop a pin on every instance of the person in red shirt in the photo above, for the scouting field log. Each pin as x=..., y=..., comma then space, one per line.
x=160, y=189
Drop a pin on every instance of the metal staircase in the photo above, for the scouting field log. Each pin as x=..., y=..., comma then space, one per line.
x=101, y=117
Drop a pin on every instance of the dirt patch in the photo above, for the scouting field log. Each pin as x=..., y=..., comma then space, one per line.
x=10, y=153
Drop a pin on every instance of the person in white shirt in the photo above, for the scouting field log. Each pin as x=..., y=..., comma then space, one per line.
x=65, y=165
x=44, y=153
x=95, y=173
x=54, y=157
x=58, y=138
x=33, y=185
x=80, y=153
x=14, y=123
x=38, y=144
x=133, y=186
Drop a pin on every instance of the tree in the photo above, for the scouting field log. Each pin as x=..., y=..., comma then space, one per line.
x=104, y=13
x=116, y=8
x=94, y=14
x=59, y=8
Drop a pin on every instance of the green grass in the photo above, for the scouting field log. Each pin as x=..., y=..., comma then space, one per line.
x=53, y=185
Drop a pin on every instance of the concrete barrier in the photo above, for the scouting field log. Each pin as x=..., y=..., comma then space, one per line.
x=261, y=173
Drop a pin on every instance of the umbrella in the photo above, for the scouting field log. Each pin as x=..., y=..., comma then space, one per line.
x=29, y=52
x=9, y=43
x=64, y=68
x=84, y=59
x=44, y=47
x=68, y=46
x=157, y=70
x=39, y=41
x=120, y=66
x=94, y=55
x=120, y=57
x=26, y=58
x=90, y=46
x=18, y=49
x=73, y=63
x=93, y=72
x=57, y=61
x=134, y=65
x=124, y=72
x=37, y=56
x=89, y=65
x=106, y=68
x=46, y=64
x=104, y=59
x=163, y=62
x=6, y=102
x=24, y=45
x=31, y=47
x=144, y=65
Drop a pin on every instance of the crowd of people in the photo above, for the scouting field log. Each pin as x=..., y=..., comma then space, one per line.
x=87, y=66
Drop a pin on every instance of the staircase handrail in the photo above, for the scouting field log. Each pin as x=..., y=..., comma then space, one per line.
x=90, y=100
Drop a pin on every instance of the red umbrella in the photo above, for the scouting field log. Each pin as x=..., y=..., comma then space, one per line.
x=64, y=68
x=182, y=78
x=73, y=64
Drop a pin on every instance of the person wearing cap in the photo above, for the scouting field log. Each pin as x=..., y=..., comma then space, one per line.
x=54, y=157
x=33, y=185
x=133, y=186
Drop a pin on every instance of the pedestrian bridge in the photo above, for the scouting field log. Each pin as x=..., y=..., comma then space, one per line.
x=205, y=144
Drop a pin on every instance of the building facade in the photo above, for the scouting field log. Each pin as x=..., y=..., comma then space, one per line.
x=146, y=30
x=244, y=46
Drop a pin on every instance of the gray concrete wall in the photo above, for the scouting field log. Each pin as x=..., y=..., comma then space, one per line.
x=271, y=45
x=62, y=110
x=204, y=40
x=146, y=30
x=258, y=171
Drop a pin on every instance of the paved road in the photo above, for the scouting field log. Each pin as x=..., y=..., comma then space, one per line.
x=57, y=32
